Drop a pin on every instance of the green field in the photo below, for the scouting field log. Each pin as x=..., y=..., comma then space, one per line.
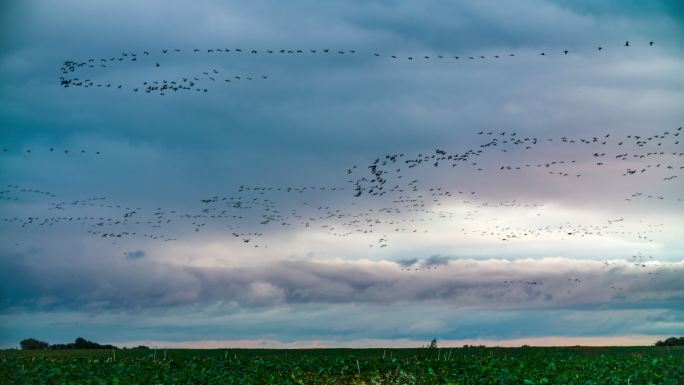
x=580, y=365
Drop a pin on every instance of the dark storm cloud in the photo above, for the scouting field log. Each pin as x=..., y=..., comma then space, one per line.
x=546, y=283
x=339, y=324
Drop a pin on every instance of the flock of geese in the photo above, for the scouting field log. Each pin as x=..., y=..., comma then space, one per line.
x=408, y=206
x=199, y=82
x=389, y=203
x=378, y=202
x=30, y=151
x=652, y=153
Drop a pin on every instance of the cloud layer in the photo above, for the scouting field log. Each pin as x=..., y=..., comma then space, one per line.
x=536, y=284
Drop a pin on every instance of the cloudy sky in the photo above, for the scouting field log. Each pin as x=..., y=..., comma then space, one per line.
x=354, y=173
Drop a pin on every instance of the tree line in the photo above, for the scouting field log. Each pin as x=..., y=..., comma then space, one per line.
x=79, y=343
x=672, y=341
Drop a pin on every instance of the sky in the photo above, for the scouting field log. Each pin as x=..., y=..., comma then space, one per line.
x=347, y=173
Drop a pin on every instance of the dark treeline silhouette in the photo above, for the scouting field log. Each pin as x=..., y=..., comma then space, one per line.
x=33, y=344
x=79, y=343
x=672, y=341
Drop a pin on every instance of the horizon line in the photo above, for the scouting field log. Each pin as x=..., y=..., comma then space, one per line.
x=267, y=343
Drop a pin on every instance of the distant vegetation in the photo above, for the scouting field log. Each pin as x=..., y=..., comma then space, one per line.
x=672, y=341
x=79, y=343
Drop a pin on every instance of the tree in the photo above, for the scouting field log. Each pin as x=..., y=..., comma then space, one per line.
x=33, y=344
x=431, y=349
x=672, y=341
x=82, y=343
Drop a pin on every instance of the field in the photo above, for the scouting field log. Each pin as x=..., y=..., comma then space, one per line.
x=573, y=365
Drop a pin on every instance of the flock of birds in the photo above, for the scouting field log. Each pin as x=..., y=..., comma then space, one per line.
x=379, y=202
x=387, y=197
x=31, y=151
x=641, y=154
x=199, y=82
x=387, y=200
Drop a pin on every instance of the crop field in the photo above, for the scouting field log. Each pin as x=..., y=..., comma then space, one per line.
x=574, y=365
